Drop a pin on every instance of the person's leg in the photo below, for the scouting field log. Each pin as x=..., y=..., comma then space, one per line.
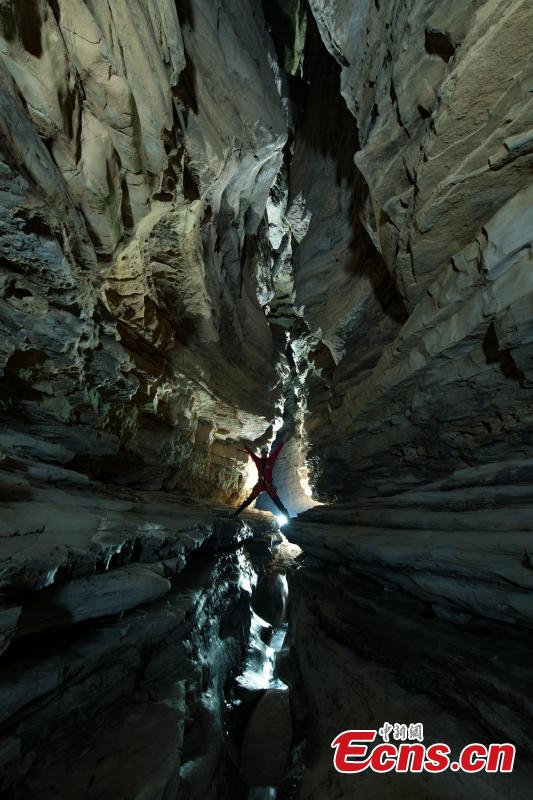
x=277, y=502
x=243, y=506
x=247, y=502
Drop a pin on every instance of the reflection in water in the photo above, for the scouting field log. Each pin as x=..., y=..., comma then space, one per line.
x=261, y=793
x=259, y=674
x=265, y=640
x=259, y=665
x=264, y=644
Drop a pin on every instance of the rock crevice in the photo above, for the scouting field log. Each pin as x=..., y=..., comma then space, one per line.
x=223, y=225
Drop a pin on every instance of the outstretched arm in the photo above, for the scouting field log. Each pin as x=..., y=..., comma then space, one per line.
x=251, y=454
x=275, y=453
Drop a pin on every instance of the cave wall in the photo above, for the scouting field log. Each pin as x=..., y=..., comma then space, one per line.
x=410, y=205
x=124, y=616
x=363, y=654
x=415, y=269
x=133, y=235
x=174, y=205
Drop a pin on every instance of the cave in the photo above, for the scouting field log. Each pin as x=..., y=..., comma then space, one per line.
x=231, y=225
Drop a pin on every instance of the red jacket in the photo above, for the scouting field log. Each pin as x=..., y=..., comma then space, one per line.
x=265, y=466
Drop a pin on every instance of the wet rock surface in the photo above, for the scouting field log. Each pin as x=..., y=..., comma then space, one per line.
x=234, y=223
x=363, y=654
x=270, y=599
x=129, y=666
x=267, y=740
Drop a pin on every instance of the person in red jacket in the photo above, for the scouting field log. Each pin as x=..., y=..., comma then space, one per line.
x=265, y=465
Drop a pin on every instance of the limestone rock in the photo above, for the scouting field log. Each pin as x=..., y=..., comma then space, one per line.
x=92, y=598
x=267, y=740
x=130, y=211
x=8, y=625
x=466, y=546
x=394, y=274
x=361, y=656
x=270, y=599
x=236, y=223
x=97, y=695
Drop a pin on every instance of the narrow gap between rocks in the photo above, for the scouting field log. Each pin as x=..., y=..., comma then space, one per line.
x=225, y=227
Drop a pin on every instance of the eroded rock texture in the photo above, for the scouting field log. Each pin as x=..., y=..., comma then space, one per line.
x=235, y=222
x=132, y=223
x=387, y=657
x=123, y=618
x=412, y=274
x=416, y=268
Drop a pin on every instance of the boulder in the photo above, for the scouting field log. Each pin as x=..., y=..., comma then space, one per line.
x=267, y=740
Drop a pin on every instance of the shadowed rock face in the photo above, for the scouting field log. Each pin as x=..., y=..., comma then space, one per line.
x=236, y=222
x=415, y=268
x=415, y=275
x=132, y=211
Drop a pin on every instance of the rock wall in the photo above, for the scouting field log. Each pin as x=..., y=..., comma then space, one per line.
x=133, y=235
x=418, y=607
x=415, y=268
x=410, y=211
x=123, y=618
x=389, y=658
x=225, y=222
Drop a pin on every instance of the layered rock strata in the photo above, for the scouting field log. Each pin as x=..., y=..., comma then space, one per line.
x=417, y=605
x=233, y=221
x=411, y=168
x=123, y=618
x=364, y=653
x=132, y=220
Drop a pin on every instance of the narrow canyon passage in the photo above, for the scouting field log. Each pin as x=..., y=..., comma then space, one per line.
x=228, y=224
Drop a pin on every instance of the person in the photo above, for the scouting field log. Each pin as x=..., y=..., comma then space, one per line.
x=265, y=465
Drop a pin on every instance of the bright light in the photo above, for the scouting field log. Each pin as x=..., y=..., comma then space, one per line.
x=308, y=492
x=251, y=475
x=282, y=519
x=304, y=481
